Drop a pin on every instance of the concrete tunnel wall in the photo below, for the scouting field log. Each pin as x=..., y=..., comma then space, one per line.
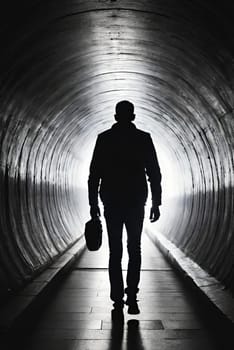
x=64, y=65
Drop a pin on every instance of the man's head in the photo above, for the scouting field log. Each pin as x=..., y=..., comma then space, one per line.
x=124, y=112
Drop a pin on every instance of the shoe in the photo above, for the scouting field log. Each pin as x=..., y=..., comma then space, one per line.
x=131, y=301
x=133, y=308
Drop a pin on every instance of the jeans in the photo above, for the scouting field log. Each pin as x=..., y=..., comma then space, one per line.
x=132, y=217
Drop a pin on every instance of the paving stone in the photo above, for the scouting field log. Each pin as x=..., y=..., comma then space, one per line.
x=147, y=308
x=51, y=344
x=69, y=308
x=72, y=316
x=182, y=324
x=71, y=324
x=153, y=325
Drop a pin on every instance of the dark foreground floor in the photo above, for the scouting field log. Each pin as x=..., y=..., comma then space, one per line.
x=78, y=314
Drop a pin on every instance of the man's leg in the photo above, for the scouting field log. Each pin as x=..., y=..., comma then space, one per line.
x=114, y=222
x=134, y=223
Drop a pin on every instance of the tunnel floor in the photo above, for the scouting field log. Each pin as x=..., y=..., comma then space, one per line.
x=78, y=313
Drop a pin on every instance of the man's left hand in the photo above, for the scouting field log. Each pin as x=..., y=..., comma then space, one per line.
x=154, y=213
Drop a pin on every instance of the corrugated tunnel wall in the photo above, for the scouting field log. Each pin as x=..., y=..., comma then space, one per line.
x=63, y=67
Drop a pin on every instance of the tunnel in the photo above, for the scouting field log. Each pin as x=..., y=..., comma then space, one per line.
x=64, y=65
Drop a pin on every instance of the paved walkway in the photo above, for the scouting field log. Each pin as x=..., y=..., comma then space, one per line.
x=78, y=317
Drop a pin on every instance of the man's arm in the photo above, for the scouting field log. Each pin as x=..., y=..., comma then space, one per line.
x=154, y=177
x=94, y=179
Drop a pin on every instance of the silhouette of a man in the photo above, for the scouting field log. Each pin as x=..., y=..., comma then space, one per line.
x=123, y=156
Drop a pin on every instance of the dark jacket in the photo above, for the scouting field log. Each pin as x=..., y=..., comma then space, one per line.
x=122, y=157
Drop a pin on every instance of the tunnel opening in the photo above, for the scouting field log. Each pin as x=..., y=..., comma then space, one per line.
x=61, y=76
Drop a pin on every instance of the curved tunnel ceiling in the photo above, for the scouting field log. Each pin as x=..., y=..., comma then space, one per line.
x=63, y=68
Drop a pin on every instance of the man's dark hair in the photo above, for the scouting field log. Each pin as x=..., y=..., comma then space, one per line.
x=124, y=111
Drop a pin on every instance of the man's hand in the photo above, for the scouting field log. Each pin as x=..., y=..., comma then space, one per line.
x=154, y=213
x=95, y=212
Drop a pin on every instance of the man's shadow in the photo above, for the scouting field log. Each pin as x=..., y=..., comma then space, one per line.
x=134, y=340
x=133, y=336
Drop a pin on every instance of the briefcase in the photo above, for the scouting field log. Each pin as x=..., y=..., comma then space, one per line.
x=93, y=234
